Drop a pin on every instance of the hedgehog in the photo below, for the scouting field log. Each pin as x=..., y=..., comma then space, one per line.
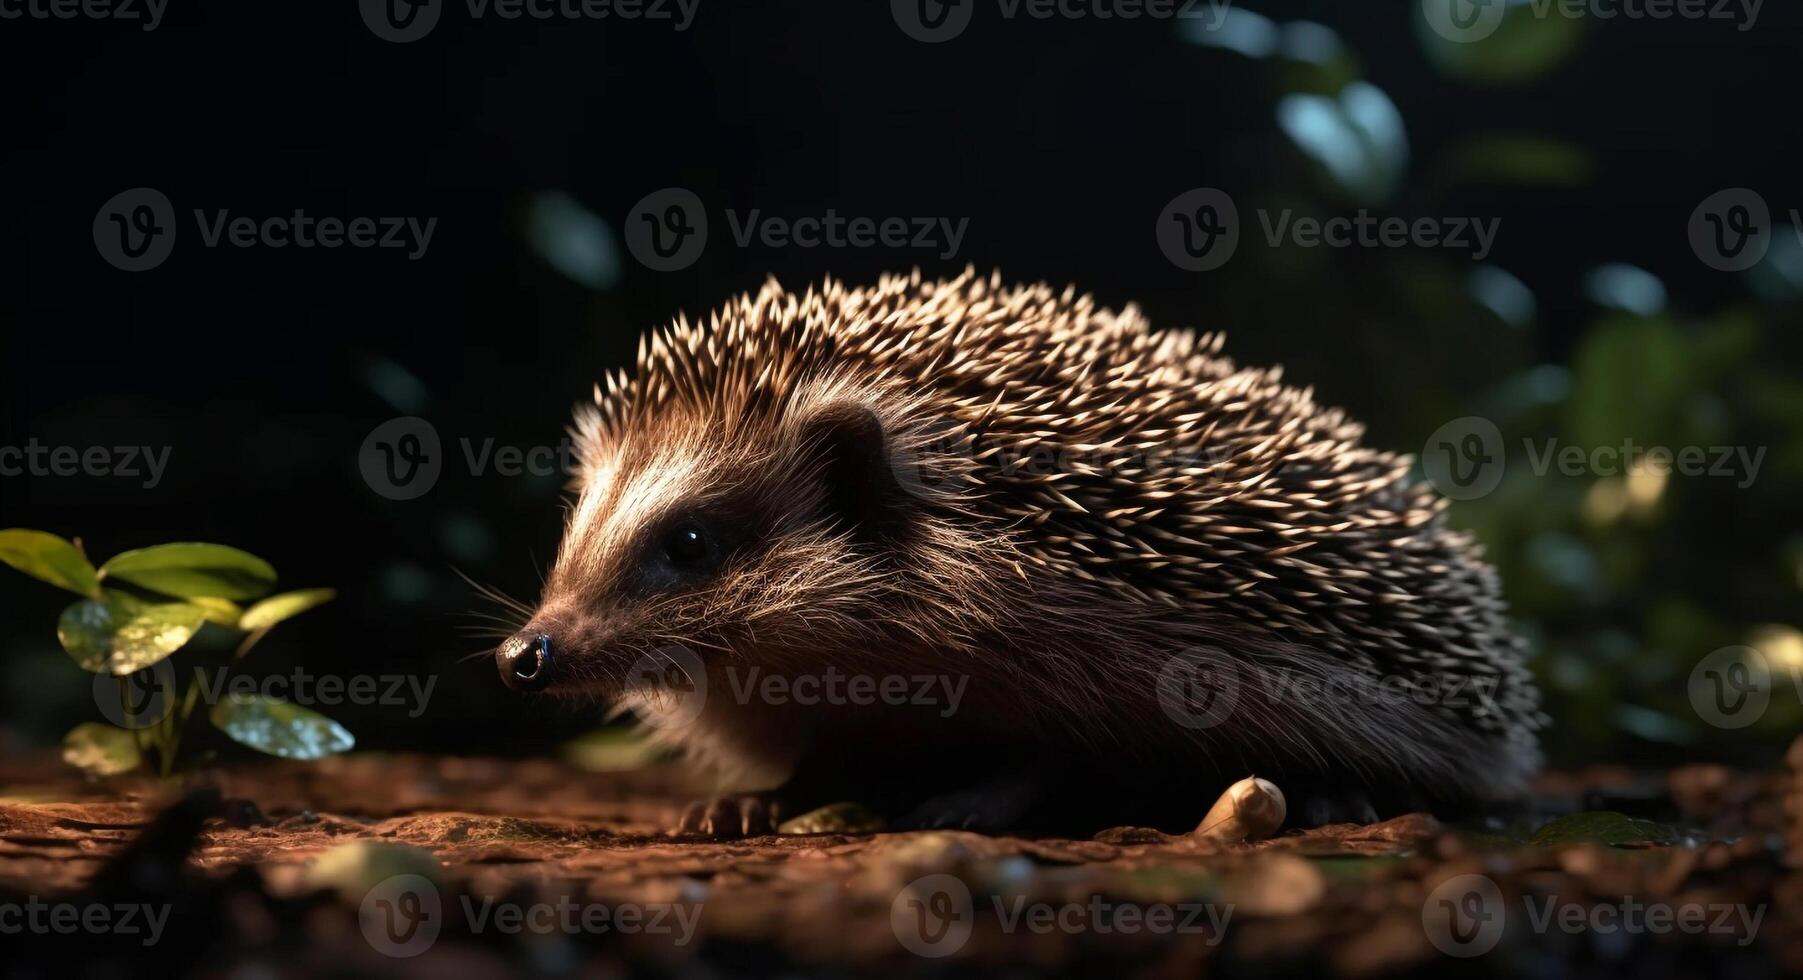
x=991, y=556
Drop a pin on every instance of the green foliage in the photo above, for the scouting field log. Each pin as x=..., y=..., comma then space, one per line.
x=48, y=557
x=189, y=569
x=1601, y=827
x=142, y=606
x=101, y=749
x=1623, y=578
x=119, y=634
x=279, y=728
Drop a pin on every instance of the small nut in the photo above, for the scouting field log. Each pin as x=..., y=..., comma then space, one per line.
x=1251, y=809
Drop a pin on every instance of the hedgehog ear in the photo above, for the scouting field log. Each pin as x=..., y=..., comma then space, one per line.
x=851, y=451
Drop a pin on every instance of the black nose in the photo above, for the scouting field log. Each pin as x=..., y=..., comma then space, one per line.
x=525, y=661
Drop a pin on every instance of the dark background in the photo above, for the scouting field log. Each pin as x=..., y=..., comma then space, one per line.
x=1060, y=140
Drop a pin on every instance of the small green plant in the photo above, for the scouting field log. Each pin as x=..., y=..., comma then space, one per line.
x=140, y=607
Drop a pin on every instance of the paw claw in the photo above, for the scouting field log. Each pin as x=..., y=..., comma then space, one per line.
x=728, y=818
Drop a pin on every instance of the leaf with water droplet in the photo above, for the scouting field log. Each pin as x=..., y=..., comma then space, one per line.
x=119, y=634
x=101, y=749
x=278, y=728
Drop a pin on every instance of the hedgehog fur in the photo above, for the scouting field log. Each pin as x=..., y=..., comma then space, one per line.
x=1071, y=510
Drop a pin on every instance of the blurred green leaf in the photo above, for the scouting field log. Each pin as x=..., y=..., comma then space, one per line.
x=1524, y=161
x=101, y=749
x=189, y=569
x=222, y=612
x=119, y=634
x=276, y=608
x=1520, y=48
x=1629, y=375
x=355, y=868
x=1601, y=827
x=612, y=750
x=1357, y=137
x=47, y=557
x=279, y=728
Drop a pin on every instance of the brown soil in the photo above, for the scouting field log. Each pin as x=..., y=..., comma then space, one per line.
x=236, y=855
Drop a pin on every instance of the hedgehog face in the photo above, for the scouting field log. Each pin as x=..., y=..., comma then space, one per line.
x=697, y=540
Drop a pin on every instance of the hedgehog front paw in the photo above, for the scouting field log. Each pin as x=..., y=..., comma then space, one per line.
x=729, y=818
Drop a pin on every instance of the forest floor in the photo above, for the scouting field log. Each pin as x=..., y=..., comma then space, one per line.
x=407, y=865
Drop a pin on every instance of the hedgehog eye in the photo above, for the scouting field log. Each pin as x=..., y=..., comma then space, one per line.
x=687, y=545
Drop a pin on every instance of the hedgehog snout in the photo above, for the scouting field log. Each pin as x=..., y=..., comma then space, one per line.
x=527, y=661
